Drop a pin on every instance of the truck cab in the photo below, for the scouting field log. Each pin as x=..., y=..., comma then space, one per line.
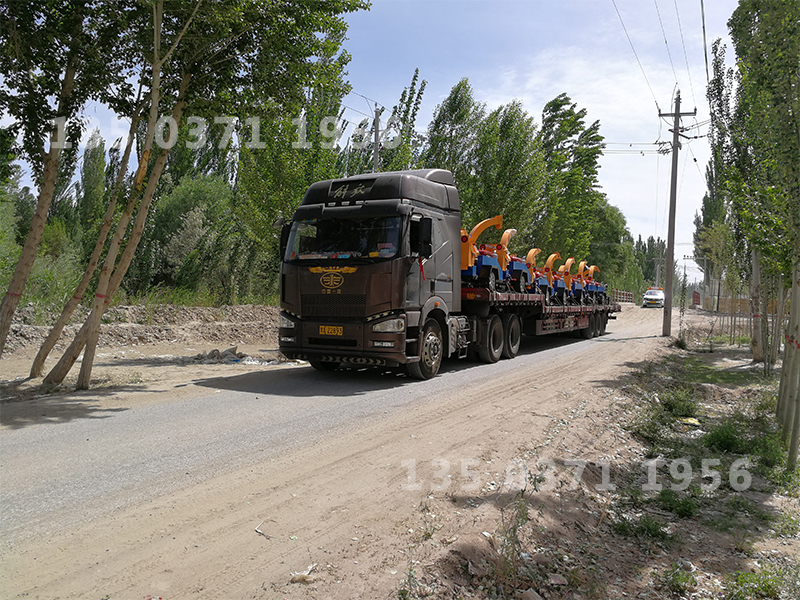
x=369, y=272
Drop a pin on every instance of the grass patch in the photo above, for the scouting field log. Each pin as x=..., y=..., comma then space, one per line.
x=676, y=580
x=769, y=582
x=692, y=369
x=645, y=527
x=684, y=507
x=787, y=524
x=679, y=402
x=726, y=437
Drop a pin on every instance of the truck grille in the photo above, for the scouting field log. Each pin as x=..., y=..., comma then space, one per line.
x=333, y=305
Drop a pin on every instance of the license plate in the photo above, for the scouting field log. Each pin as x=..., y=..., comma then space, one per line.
x=330, y=330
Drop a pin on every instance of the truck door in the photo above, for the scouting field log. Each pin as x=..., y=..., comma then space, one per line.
x=441, y=263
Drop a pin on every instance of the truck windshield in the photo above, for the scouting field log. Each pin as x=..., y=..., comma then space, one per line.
x=339, y=239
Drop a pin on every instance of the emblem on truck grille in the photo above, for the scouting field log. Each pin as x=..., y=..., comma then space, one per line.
x=331, y=280
x=332, y=277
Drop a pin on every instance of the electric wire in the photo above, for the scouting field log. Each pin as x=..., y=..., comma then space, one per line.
x=685, y=57
x=664, y=33
x=625, y=29
x=694, y=158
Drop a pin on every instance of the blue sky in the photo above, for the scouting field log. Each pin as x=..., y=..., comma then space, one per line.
x=533, y=50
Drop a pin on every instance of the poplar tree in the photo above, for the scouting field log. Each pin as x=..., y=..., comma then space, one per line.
x=212, y=60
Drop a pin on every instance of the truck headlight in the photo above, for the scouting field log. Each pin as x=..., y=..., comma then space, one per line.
x=391, y=326
x=286, y=322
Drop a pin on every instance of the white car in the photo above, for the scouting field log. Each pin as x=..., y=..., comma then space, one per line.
x=653, y=297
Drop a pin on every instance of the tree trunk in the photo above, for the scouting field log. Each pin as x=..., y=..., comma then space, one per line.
x=102, y=296
x=84, y=378
x=28, y=256
x=777, y=328
x=59, y=371
x=72, y=303
x=793, y=381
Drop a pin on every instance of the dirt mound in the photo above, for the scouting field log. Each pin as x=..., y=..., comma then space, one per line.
x=152, y=324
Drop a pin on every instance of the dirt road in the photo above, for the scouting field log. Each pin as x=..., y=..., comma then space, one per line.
x=222, y=481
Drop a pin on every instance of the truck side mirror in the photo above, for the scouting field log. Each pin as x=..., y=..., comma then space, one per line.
x=422, y=236
x=285, y=230
x=426, y=237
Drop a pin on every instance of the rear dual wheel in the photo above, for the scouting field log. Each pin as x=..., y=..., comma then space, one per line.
x=512, y=335
x=490, y=347
x=594, y=328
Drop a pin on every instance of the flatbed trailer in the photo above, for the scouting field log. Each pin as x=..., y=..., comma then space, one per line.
x=529, y=314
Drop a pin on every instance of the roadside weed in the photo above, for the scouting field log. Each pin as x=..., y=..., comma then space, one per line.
x=676, y=580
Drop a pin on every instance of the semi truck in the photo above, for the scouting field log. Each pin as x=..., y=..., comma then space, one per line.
x=375, y=270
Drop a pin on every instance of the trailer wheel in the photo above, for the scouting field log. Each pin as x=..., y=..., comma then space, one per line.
x=512, y=335
x=431, y=352
x=587, y=333
x=603, y=323
x=491, y=346
x=324, y=365
x=596, y=326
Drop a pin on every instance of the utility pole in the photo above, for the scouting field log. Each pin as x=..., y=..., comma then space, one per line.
x=673, y=193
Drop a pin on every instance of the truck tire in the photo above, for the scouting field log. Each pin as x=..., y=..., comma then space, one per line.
x=587, y=333
x=324, y=365
x=595, y=324
x=491, y=344
x=431, y=351
x=603, y=323
x=512, y=335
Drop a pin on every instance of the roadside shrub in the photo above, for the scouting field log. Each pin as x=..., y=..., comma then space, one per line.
x=679, y=402
x=725, y=438
x=761, y=584
x=769, y=450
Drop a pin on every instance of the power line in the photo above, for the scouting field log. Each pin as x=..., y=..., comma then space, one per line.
x=664, y=33
x=625, y=29
x=685, y=57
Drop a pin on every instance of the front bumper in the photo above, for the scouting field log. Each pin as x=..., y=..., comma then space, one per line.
x=344, y=342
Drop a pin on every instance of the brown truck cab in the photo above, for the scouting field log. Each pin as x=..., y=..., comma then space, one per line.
x=370, y=272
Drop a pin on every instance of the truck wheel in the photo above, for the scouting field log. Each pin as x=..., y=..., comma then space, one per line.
x=324, y=365
x=491, y=346
x=512, y=335
x=595, y=324
x=603, y=323
x=587, y=332
x=430, y=353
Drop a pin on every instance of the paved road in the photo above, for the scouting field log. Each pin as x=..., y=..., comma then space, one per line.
x=54, y=475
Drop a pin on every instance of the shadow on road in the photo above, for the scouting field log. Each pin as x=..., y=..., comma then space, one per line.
x=56, y=409
x=304, y=381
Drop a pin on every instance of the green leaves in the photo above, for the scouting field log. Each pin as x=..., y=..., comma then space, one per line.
x=573, y=151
